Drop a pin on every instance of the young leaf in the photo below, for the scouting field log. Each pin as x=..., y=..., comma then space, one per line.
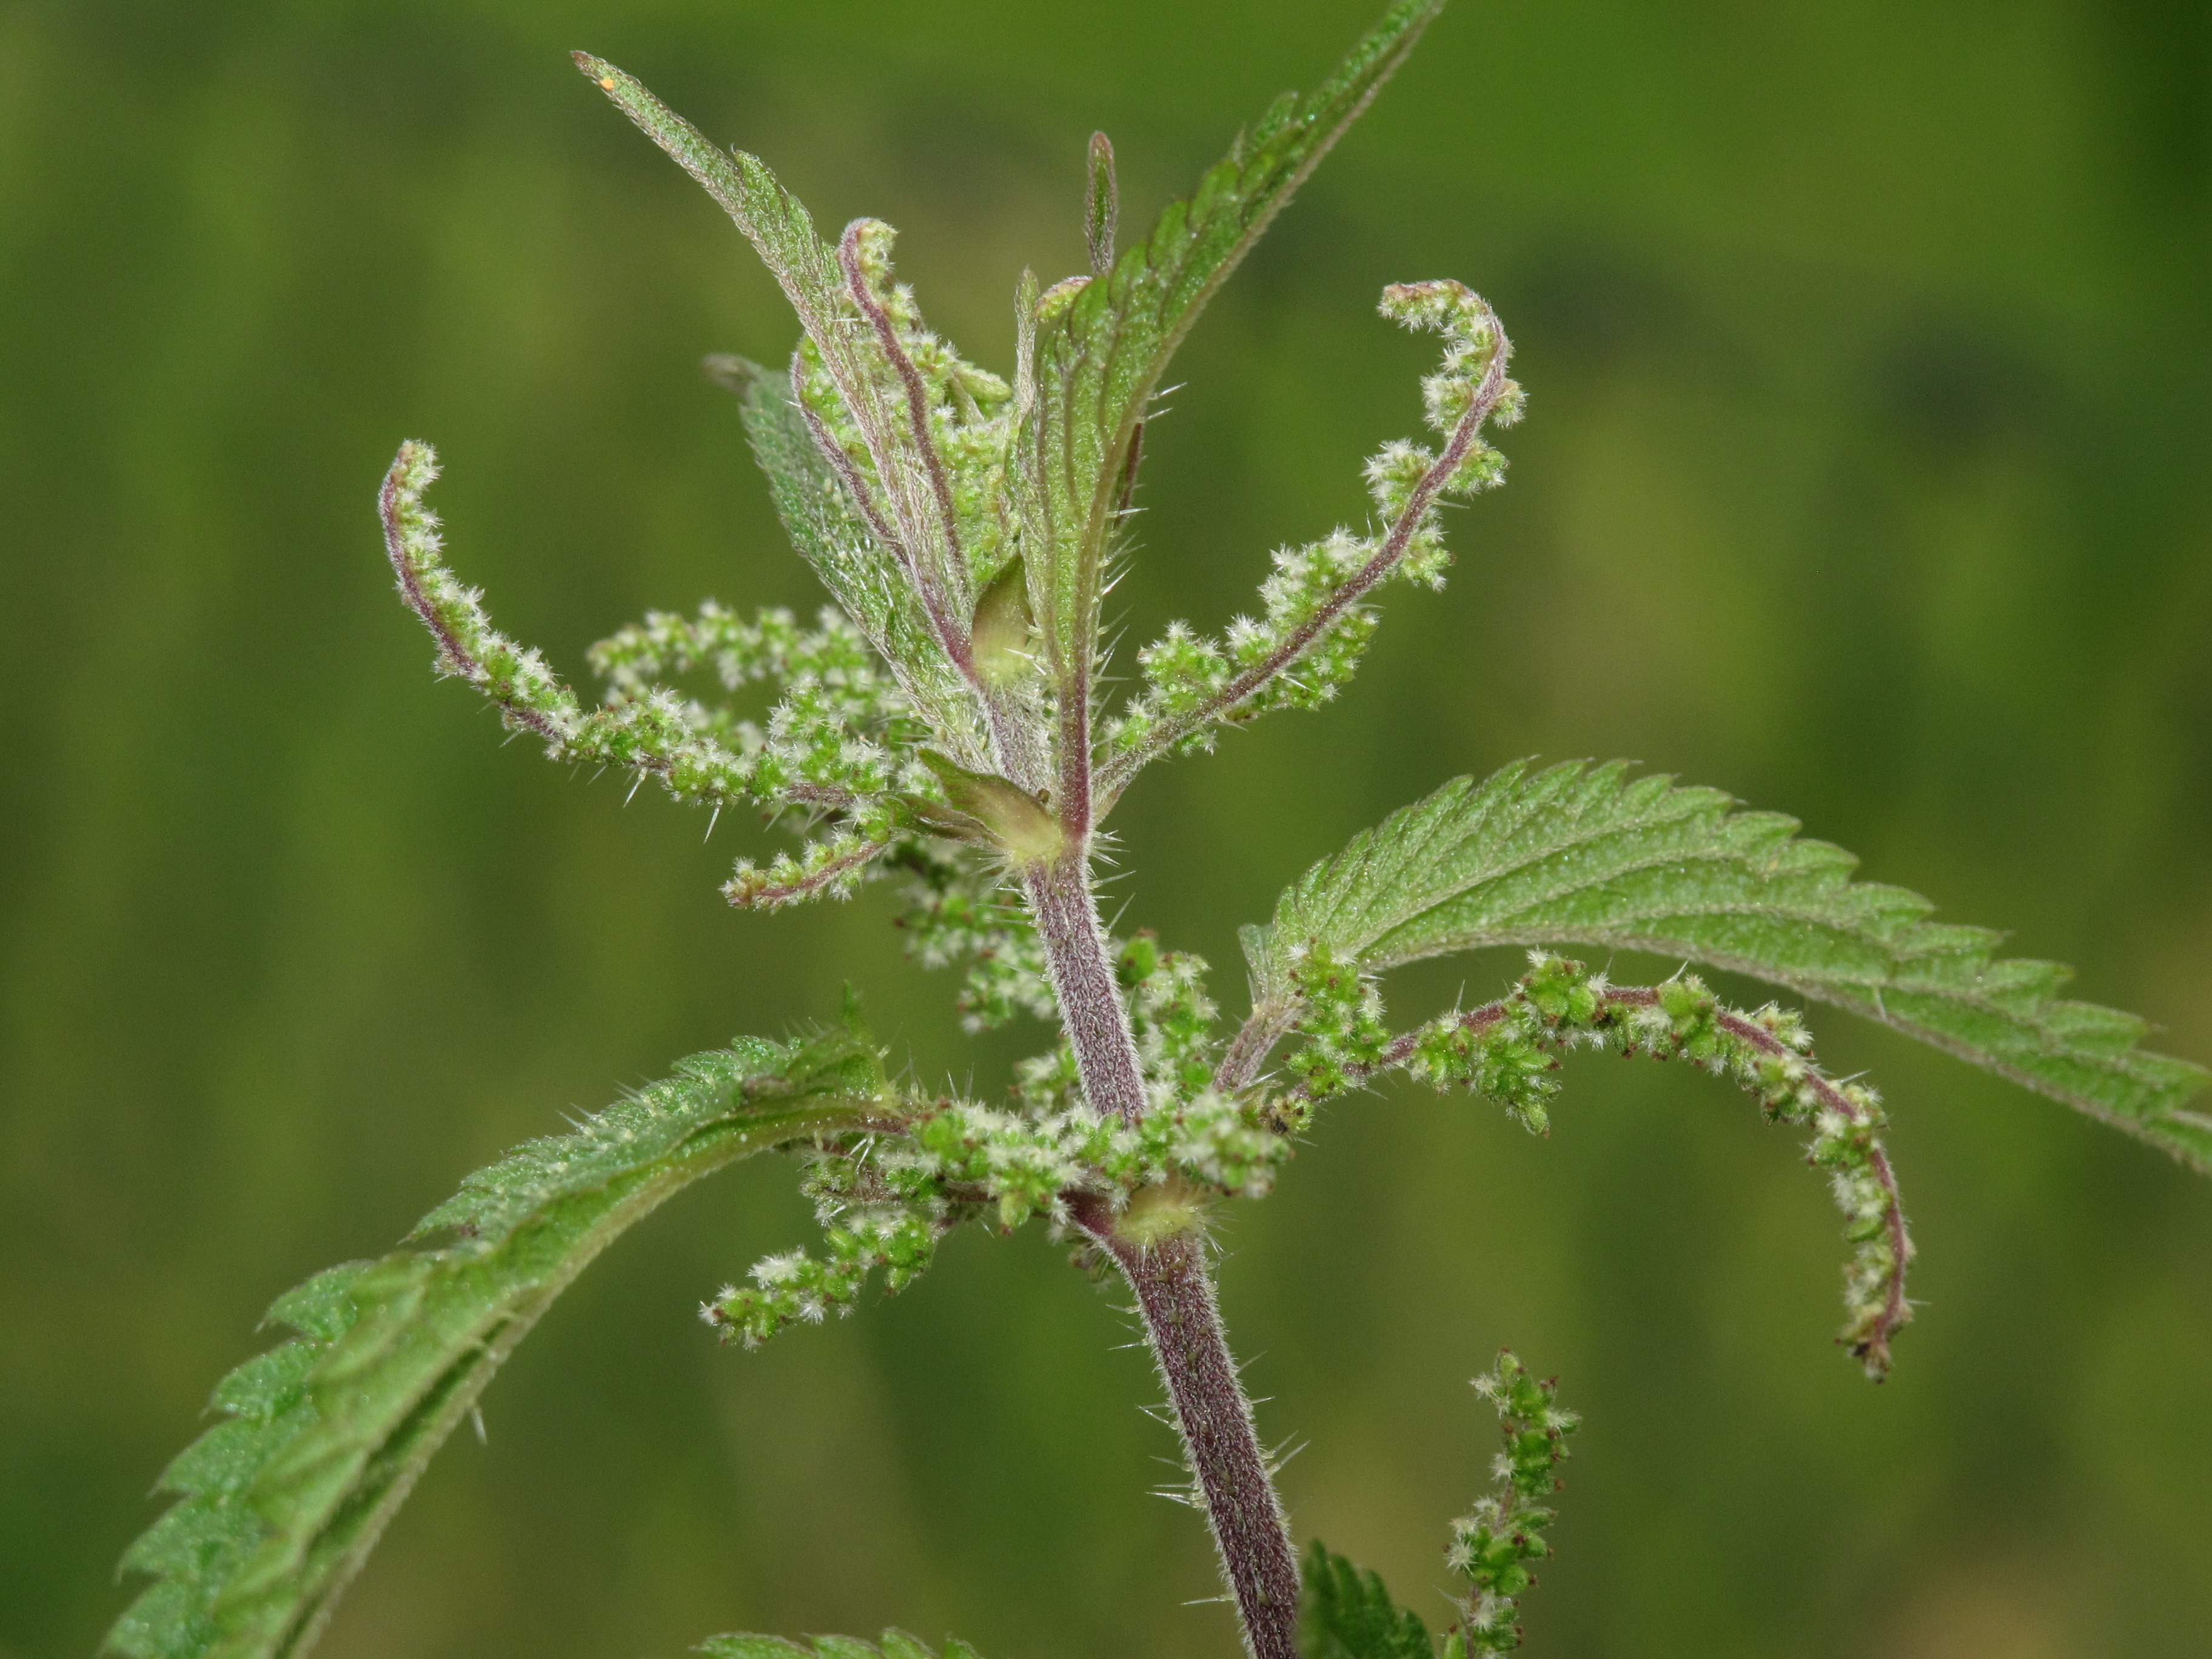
x=1580, y=854
x=1100, y=352
x=1102, y=205
x=997, y=814
x=325, y=1434
x=811, y=276
x=819, y=515
x=864, y=335
x=1346, y=1614
x=1001, y=629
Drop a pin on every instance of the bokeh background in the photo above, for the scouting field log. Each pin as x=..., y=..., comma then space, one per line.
x=1866, y=476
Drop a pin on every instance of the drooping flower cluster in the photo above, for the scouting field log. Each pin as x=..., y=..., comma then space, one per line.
x=879, y=1209
x=1507, y=1051
x=883, y=1200
x=886, y=454
x=838, y=742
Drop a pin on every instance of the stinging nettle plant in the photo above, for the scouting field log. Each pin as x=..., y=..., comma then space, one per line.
x=941, y=724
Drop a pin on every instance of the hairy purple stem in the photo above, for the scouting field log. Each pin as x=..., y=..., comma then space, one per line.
x=1174, y=1293
x=1073, y=804
x=1173, y=1284
x=1082, y=979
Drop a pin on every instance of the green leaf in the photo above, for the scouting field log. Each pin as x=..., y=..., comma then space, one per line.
x=782, y=231
x=844, y=300
x=1581, y=854
x=1100, y=354
x=1346, y=1614
x=280, y=1502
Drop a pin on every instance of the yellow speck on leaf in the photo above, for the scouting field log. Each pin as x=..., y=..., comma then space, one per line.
x=608, y=82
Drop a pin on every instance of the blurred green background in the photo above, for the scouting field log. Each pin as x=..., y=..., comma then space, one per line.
x=1866, y=476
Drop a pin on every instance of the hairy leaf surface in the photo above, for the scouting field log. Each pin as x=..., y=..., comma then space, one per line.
x=325, y=1435
x=1100, y=355
x=1581, y=854
x=861, y=574
x=1346, y=1614
x=782, y=231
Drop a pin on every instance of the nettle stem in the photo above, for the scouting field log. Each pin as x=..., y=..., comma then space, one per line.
x=1173, y=1285
x=1171, y=1278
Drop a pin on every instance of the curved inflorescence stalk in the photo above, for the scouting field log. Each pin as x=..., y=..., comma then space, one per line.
x=1314, y=627
x=1508, y=1051
x=815, y=757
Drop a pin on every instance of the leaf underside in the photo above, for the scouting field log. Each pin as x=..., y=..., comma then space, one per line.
x=1581, y=854
x=325, y=1435
x=818, y=515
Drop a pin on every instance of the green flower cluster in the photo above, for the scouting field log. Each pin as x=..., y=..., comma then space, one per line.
x=1507, y=1051
x=957, y=909
x=885, y=1200
x=1170, y=1014
x=1494, y=1543
x=1014, y=1167
x=879, y=1208
x=1342, y=1024
x=1313, y=627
